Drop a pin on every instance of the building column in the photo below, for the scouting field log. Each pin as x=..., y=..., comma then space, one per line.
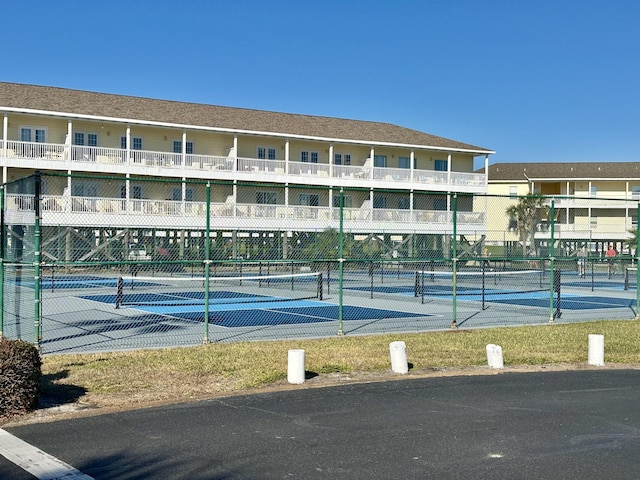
x=373, y=162
x=235, y=199
x=68, y=142
x=286, y=157
x=184, y=151
x=412, y=159
x=128, y=146
x=486, y=171
x=5, y=128
x=330, y=161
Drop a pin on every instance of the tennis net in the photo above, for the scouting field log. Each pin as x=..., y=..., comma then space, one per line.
x=176, y=291
x=434, y=283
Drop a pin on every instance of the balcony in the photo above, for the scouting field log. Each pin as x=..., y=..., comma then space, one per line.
x=103, y=211
x=620, y=200
x=146, y=162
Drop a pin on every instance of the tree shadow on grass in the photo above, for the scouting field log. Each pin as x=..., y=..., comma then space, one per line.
x=53, y=394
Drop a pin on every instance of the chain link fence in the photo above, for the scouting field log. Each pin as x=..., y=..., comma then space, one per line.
x=92, y=263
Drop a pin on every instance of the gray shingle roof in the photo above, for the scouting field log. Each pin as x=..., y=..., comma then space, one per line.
x=78, y=102
x=563, y=171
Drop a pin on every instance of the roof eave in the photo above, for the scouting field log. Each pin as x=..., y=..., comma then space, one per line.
x=241, y=131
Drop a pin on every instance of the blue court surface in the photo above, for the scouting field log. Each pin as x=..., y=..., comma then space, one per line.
x=567, y=302
x=233, y=309
x=66, y=282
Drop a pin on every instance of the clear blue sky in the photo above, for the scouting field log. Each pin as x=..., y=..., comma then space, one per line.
x=544, y=80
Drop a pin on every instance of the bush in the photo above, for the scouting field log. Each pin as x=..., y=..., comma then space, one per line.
x=20, y=372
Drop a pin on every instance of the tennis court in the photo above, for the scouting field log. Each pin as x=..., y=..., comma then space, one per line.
x=106, y=311
x=524, y=287
x=246, y=301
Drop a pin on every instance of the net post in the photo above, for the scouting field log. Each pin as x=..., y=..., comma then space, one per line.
x=371, y=275
x=626, y=278
x=328, y=277
x=119, y=292
x=483, y=285
x=319, y=285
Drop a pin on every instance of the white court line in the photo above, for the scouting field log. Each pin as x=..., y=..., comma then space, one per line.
x=38, y=463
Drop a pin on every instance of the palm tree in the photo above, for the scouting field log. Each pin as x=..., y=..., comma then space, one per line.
x=525, y=213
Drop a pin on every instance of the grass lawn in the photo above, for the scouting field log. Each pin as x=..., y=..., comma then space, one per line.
x=138, y=378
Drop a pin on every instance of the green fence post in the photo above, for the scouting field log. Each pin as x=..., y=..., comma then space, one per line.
x=454, y=323
x=207, y=264
x=2, y=240
x=552, y=262
x=36, y=262
x=637, y=269
x=340, y=261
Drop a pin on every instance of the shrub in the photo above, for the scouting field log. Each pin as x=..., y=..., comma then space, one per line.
x=20, y=372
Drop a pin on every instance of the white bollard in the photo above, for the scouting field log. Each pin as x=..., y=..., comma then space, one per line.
x=494, y=356
x=398, y=351
x=295, y=371
x=596, y=350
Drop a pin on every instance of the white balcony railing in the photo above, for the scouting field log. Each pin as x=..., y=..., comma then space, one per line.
x=103, y=156
x=62, y=204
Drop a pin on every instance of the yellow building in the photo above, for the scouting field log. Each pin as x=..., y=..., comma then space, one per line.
x=272, y=171
x=595, y=204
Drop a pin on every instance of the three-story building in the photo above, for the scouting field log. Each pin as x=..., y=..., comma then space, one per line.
x=272, y=171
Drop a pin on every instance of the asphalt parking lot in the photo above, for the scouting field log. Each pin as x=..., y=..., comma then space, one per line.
x=581, y=424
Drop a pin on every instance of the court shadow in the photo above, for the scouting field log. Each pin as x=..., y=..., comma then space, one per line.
x=53, y=394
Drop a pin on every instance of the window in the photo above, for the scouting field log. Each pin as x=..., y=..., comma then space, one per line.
x=348, y=201
x=266, y=198
x=308, y=200
x=176, y=194
x=267, y=153
x=309, y=156
x=513, y=191
x=635, y=192
x=83, y=188
x=593, y=191
x=379, y=160
x=136, y=143
x=405, y=162
x=342, y=159
x=439, y=203
x=379, y=202
x=88, y=139
x=136, y=191
x=593, y=221
x=177, y=147
x=31, y=134
x=441, y=165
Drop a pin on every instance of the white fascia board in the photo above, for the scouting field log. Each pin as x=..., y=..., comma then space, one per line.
x=585, y=179
x=241, y=131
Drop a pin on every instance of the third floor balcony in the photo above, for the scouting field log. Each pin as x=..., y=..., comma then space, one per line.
x=167, y=164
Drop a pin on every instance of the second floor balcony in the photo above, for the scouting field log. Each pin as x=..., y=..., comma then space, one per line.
x=114, y=212
x=167, y=164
